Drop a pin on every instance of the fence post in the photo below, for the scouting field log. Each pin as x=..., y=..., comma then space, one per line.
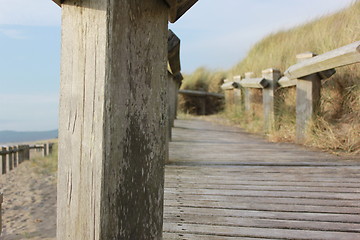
x=3, y=161
x=15, y=156
x=20, y=153
x=27, y=155
x=238, y=101
x=248, y=94
x=9, y=161
x=113, y=119
x=307, y=100
x=269, y=99
x=50, y=148
x=45, y=153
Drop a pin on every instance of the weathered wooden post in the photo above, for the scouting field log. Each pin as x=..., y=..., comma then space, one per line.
x=269, y=98
x=307, y=99
x=228, y=87
x=113, y=118
x=26, y=155
x=44, y=149
x=238, y=101
x=9, y=159
x=15, y=160
x=3, y=160
x=248, y=94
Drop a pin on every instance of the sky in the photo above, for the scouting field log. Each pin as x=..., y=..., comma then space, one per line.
x=214, y=34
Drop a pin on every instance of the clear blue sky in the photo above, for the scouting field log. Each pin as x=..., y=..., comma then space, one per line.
x=215, y=34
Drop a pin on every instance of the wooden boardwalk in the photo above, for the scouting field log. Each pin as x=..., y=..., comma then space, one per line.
x=223, y=184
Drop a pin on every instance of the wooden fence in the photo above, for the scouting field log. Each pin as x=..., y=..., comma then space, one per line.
x=12, y=156
x=306, y=76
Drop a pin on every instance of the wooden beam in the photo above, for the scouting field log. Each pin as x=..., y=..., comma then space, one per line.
x=58, y=2
x=179, y=8
x=286, y=82
x=200, y=93
x=343, y=56
x=254, y=83
x=174, y=65
x=113, y=119
x=230, y=85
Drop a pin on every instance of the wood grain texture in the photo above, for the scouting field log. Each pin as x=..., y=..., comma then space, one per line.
x=223, y=183
x=343, y=56
x=113, y=119
x=254, y=83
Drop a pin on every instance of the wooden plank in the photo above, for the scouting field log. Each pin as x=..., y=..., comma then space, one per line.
x=300, y=216
x=274, y=187
x=230, y=231
x=229, y=86
x=286, y=82
x=264, y=223
x=183, y=202
x=293, y=194
x=184, y=235
x=343, y=56
x=268, y=200
x=254, y=83
x=179, y=8
x=200, y=93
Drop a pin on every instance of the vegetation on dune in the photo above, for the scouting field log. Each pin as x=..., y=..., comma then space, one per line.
x=47, y=165
x=202, y=80
x=339, y=117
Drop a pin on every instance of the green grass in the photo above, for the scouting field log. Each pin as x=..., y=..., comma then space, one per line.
x=339, y=118
x=46, y=165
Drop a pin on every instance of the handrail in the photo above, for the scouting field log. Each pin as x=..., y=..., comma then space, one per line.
x=343, y=56
x=201, y=93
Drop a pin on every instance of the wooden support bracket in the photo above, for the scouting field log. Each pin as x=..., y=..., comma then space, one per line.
x=178, y=8
x=174, y=65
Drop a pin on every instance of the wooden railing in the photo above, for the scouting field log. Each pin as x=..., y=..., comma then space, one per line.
x=306, y=75
x=201, y=96
x=12, y=156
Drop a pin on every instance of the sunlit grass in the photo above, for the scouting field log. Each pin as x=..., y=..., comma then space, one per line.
x=337, y=128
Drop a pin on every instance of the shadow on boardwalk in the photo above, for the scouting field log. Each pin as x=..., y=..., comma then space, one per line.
x=222, y=183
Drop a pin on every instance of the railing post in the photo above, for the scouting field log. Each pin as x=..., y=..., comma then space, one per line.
x=307, y=100
x=15, y=156
x=3, y=161
x=45, y=153
x=9, y=161
x=20, y=153
x=113, y=119
x=248, y=94
x=269, y=99
x=238, y=98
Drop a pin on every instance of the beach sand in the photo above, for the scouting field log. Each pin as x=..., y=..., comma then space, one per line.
x=29, y=207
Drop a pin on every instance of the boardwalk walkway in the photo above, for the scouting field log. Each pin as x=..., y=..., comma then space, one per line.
x=223, y=184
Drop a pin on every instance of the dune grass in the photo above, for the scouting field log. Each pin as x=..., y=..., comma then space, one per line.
x=46, y=165
x=338, y=125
